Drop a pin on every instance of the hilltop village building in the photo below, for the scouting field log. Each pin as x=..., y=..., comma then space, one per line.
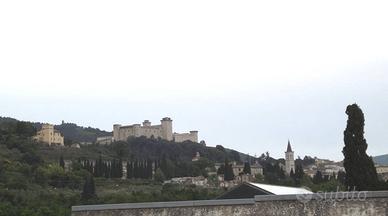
x=382, y=171
x=163, y=131
x=49, y=136
x=105, y=140
x=239, y=176
x=328, y=168
x=255, y=169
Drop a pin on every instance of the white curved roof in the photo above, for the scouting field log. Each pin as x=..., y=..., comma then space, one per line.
x=281, y=190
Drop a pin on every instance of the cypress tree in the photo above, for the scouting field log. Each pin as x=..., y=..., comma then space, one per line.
x=299, y=173
x=247, y=168
x=89, y=188
x=112, y=169
x=159, y=176
x=341, y=177
x=120, y=169
x=98, y=167
x=228, y=175
x=135, y=169
x=141, y=174
x=144, y=170
x=230, y=172
x=281, y=173
x=109, y=170
x=84, y=165
x=149, y=169
x=116, y=168
x=221, y=170
x=104, y=169
x=163, y=166
x=90, y=166
x=292, y=174
x=61, y=162
x=360, y=169
x=157, y=166
x=226, y=170
x=129, y=170
x=87, y=165
x=318, y=178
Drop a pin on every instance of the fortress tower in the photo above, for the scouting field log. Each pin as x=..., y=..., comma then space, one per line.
x=290, y=163
x=166, y=128
x=116, y=133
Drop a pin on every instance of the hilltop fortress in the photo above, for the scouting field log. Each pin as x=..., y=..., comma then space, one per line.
x=163, y=131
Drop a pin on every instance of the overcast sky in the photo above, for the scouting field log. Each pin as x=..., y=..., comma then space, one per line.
x=249, y=75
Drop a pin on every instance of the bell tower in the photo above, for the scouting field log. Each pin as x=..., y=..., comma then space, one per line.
x=290, y=163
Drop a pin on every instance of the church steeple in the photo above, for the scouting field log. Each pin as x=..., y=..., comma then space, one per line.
x=289, y=147
x=289, y=159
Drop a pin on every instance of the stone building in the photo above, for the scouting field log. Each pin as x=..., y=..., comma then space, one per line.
x=289, y=160
x=382, y=172
x=49, y=135
x=163, y=131
x=105, y=140
x=239, y=168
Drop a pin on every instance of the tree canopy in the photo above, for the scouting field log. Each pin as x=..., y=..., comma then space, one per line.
x=360, y=169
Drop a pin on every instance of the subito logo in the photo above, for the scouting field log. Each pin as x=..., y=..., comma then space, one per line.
x=304, y=198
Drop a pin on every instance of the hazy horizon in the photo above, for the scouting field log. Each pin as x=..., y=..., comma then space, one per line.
x=249, y=76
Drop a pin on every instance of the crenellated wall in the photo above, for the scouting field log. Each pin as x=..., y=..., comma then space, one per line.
x=331, y=204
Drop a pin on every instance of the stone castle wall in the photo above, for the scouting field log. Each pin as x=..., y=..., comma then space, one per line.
x=334, y=204
x=192, y=136
x=164, y=131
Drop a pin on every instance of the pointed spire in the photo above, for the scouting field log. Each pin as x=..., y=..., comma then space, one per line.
x=289, y=147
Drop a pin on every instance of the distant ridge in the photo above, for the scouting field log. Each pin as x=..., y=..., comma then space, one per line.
x=381, y=159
